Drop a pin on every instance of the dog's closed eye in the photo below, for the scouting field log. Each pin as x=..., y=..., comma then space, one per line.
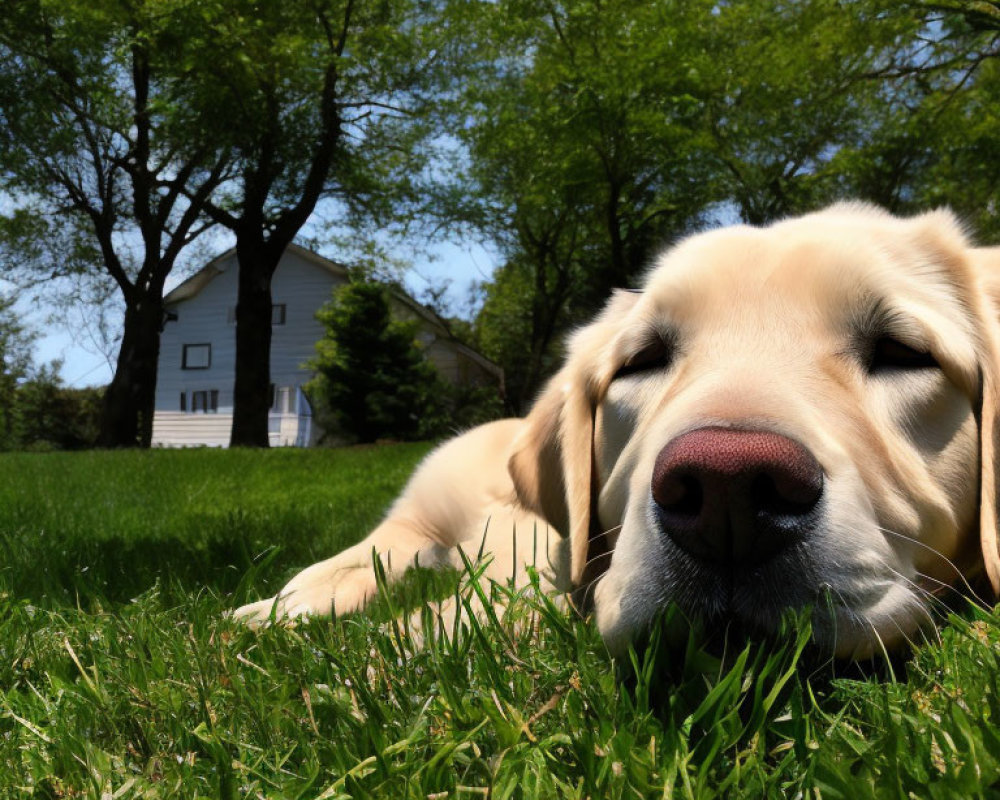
x=655, y=353
x=887, y=341
x=888, y=353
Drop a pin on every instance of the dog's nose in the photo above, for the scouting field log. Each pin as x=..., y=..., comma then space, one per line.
x=736, y=496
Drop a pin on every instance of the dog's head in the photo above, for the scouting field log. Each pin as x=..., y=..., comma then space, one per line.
x=798, y=415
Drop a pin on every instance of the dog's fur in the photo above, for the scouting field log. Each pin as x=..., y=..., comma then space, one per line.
x=744, y=329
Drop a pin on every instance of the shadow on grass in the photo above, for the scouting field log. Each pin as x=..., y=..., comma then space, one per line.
x=75, y=571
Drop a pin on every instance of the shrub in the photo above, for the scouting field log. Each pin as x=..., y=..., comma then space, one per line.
x=52, y=416
x=372, y=379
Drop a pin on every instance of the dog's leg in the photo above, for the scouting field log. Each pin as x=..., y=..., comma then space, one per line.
x=460, y=495
x=500, y=559
x=508, y=540
x=348, y=581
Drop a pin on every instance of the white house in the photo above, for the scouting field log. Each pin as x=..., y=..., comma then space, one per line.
x=194, y=384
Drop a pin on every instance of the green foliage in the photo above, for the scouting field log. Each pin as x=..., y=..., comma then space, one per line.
x=122, y=675
x=505, y=330
x=52, y=416
x=36, y=410
x=15, y=364
x=581, y=131
x=312, y=99
x=107, y=188
x=598, y=132
x=936, y=137
x=372, y=379
x=469, y=405
x=787, y=86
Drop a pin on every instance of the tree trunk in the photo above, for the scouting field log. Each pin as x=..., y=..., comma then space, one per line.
x=129, y=402
x=251, y=398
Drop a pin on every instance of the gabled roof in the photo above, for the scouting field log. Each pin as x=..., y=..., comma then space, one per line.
x=194, y=284
x=199, y=280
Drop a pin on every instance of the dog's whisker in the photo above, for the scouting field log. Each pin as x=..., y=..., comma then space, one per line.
x=584, y=591
x=859, y=621
x=877, y=635
x=913, y=540
x=856, y=619
x=612, y=531
x=588, y=587
x=941, y=588
x=914, y=604
x=598, y=557
x=931, y=599
x=607, y=532
x=960, y=575
x=917, y=590
x=904, y=636
x=921, y=609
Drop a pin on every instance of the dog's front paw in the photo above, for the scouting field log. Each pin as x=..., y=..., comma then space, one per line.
x=259, y=613
x=307, y=595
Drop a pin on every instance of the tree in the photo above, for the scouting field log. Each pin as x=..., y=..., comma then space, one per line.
x=787, y=86
x=317, y=99
x=597, y=132
x=523, y=313
x=580, y=125
x=935, y=137
x=36, y=409
x=15, y=365
x=110, y=185
x=372, y=380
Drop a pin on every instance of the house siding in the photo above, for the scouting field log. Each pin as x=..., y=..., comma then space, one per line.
x=177, y=429
x=302, y=287
x=200, y=320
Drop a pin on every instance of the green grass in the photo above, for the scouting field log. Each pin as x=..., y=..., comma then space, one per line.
x=120, y=676
x=98, y=527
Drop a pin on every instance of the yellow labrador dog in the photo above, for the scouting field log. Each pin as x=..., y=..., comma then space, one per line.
x=804, y=414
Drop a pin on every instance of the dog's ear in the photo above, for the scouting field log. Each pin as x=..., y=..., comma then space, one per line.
x=986, y=264
x=551, y=462
x=943, y=234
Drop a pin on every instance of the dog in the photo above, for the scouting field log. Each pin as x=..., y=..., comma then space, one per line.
x=798, y=415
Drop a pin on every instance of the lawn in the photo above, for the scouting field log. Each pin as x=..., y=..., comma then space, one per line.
x=121, y=677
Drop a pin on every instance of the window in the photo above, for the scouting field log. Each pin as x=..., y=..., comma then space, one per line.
x=205, y=401
x=197, y=356
x=184, y=401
